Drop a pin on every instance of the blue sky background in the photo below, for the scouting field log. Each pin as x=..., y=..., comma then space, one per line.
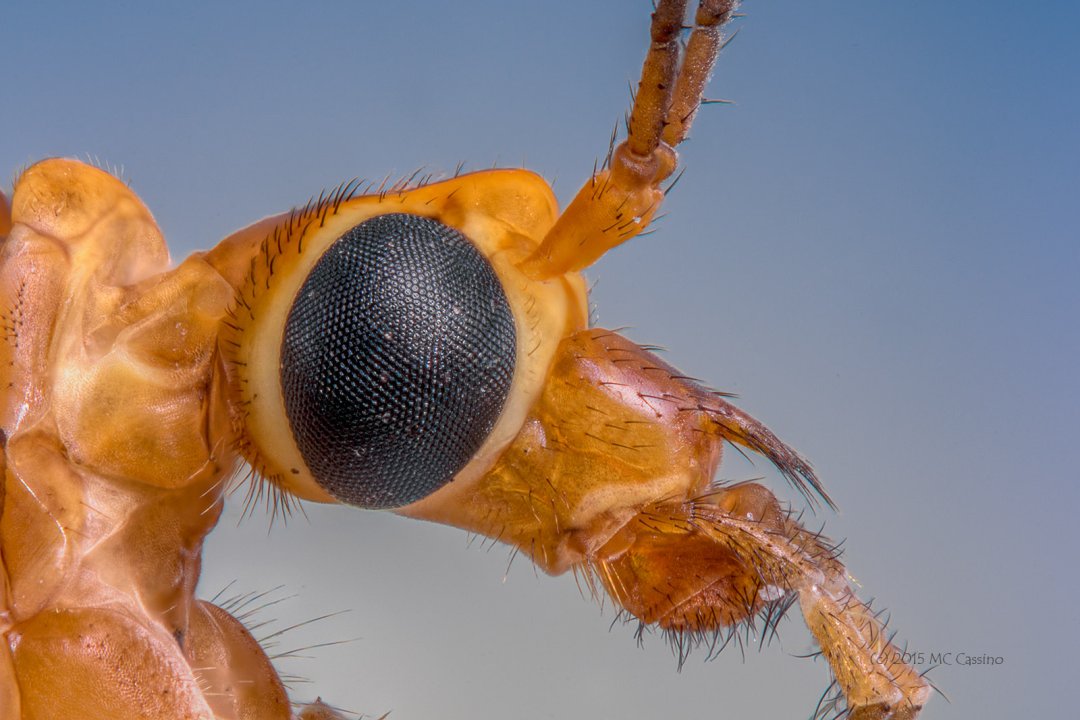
x=876, y=247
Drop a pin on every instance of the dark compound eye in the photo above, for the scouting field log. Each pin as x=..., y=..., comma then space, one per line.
x=397, y=358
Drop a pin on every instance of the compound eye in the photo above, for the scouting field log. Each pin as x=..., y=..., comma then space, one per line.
x=396, y=360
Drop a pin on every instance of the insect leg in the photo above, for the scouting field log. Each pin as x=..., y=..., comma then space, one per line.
x=702, y=49
x=612, y=477
x=698, y=567
x=620, y=200
x=652, y=103
x=868, y=668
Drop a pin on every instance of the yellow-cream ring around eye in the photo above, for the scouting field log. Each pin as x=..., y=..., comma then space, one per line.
x=543, y=313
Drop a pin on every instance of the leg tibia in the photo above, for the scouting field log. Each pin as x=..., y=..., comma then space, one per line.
x=614, y=206
x=867, y=667
x=620, y=201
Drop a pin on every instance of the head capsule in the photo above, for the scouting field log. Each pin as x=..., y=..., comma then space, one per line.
x=386, y=345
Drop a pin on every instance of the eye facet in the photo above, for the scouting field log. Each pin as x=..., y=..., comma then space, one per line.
x=397, y=357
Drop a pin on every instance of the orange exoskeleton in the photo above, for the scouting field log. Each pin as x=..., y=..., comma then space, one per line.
x=424, y=348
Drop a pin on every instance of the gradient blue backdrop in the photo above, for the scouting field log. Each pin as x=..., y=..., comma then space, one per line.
x=876, y=248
